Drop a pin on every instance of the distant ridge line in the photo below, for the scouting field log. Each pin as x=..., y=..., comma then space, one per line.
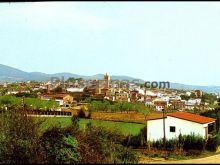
x=10, y=74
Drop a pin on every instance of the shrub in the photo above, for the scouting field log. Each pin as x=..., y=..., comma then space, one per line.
x=59, y=147
x=218, y=139
x=158, y=144
x=99, y=145
x=171, y=144
x=193, y=142
x=213, y=143
x=18, y=138
x=89, y=114
x=81, y=114
x=124, y=155
x=137, y=141
x=134, y=141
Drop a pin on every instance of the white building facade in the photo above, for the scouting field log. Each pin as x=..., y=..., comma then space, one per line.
x=174, y=126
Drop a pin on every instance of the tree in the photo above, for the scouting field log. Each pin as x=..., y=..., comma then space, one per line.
x=58, y=89
x=218, y=102
x=185, y=97
x=71, y=79
x=193, y=95
x=145, y=112
x=126, y=106
x=18, y=137
x=88, y=99
x=209, y=98
x=59, y=146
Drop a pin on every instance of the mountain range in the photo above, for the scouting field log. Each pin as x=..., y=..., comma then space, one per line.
x=10, y=74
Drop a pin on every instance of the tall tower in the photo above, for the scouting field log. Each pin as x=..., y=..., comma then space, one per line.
x=106, y=80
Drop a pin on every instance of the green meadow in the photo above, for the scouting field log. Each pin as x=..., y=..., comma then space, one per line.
x=123, y=127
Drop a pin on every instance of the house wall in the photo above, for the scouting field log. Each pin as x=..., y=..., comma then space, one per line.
x=155, y=128
x=59, y=101
x=184, y=127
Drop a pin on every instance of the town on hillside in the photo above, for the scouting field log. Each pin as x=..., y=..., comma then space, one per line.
x=76, y=91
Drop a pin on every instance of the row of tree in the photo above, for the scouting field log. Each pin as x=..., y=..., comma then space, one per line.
x=110, y=106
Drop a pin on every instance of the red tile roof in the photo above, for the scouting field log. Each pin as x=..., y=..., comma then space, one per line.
x=192, y=117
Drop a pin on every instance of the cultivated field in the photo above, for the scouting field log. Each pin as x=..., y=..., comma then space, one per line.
x=128, y=117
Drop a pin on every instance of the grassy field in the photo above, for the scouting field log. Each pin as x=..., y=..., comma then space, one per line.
x=124, y=127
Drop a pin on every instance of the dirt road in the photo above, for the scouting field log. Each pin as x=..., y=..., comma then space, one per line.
x=208, y=160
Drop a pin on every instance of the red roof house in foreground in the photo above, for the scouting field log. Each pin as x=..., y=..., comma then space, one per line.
x=180, y=123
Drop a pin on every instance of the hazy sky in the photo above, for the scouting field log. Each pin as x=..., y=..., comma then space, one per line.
x=169, y=41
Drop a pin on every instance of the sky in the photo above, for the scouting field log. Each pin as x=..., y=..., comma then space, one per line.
x=155, y=41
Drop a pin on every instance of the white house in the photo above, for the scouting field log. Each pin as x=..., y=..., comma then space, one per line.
x=12, y=92
x=62, y=98
x=150, y=93
x=179, y=122
x=195, y=101
x=191, y=103
x=5, y=85
x=75, y=89
x=188, y=93
x=141, y=91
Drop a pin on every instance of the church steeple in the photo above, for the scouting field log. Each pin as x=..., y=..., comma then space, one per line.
x=106, y=77
x=106, y=80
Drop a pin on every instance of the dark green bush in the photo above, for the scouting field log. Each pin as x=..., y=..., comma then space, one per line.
x=105, y=146
x=158, y=144
x=171, y=144
x=193, y=142
x=137, y=141
x=18, y=138
x=81, y=114
x=213, y=143
x=59, y=147
x=190, y=143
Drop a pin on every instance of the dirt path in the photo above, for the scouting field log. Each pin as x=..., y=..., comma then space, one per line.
x=209, y=160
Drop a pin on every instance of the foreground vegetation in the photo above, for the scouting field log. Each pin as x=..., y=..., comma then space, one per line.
x=24, y=139
x=21, y=141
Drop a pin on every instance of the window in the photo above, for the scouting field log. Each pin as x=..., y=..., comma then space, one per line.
x=172, y=129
